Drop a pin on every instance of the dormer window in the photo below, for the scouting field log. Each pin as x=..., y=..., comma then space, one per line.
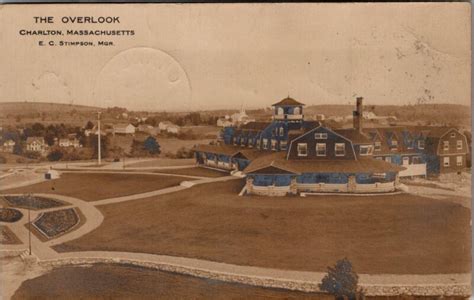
x=340, y=149
x=366, y=150
x=394, y=143
x=320, y=135
x=274, y=143
x=282, y=131
x=378, y=146
x=421, y=144
x=258, y=144
x=283, y=145
x=302, y=149
x=265, y=143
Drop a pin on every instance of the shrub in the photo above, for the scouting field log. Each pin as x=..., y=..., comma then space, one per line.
x=55, y=155
x=341, y=281
x=32, y=155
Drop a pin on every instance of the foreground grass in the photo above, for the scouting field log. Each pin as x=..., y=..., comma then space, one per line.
x=129, y=282
x=97, y=186
x=397, y=234
x=114, y=281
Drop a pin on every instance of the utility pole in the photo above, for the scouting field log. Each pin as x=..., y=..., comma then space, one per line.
x=98, y=138
x=29, y=223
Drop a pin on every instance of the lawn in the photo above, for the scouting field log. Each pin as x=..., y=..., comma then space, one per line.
x=129, y=282
x=195, y=171
x=161, y=162
x=96, y=186
x=396, y=234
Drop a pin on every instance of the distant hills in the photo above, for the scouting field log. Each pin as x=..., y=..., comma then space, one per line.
x=25, y=108
x=448, y=114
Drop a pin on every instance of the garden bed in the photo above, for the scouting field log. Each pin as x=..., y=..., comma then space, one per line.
x=55, y=223
x=7, y=237
x=35, y=202
x=10, y=215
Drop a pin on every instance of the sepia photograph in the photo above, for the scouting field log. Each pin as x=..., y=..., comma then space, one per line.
x=235, y=151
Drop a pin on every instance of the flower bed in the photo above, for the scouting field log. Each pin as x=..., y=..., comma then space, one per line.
x=7, y=237
x=10, y=215
x=35, y=202
x=54, y=223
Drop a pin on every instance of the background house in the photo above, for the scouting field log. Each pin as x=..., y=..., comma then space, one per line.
x=8, y=146
x=124, y=129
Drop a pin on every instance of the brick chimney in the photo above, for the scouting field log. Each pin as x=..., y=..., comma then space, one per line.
x=357, y=115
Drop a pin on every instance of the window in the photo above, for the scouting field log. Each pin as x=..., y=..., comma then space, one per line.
x=302, y=149
x=410, y=144
x=416, y=160
x=282, y=131
x=446, y=161
x=421, y=144
x=379, y=158
x=340, y=149
x=405, y=160
x=274, y=143
x=320, y=135
x=394, y=143
x=458, y=161
x=265, y=144
x=459, y=144
x=365, y=150
x=258, y=143
x=283, y=145
x=320, y=149
x=446, y=145
x=453, y=135
x=379, y=175
x=388, y=159
x=378, y=146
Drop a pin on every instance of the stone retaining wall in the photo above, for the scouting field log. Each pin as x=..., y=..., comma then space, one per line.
x=304, y=286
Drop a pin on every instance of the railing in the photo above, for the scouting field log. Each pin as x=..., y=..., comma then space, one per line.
x=288, y=117
x=271, y=190
x=322, y=187
x=379, y=187
x=413, y=170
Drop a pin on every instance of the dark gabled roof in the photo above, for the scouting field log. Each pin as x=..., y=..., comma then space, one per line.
x=255, y=126
x=218, y=149
x=354, y=135
x=288, y=102
x=229, y=150
x=277, y=160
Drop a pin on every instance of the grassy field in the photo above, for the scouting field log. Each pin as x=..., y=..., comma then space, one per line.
x=97, y=186
x=195, y=171
x=116, y=281
x=397, y=234
x=161, y=162
x=122, y=281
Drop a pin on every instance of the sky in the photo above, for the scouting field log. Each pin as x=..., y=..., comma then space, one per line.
x=218, y=56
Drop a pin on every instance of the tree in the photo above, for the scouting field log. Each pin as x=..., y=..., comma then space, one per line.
x=341, y=281
x=89, y=125
x=104, y=145
x=151, y=146
x=55, y=155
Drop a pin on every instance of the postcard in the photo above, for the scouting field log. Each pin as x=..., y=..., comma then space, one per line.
x=235, y=151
